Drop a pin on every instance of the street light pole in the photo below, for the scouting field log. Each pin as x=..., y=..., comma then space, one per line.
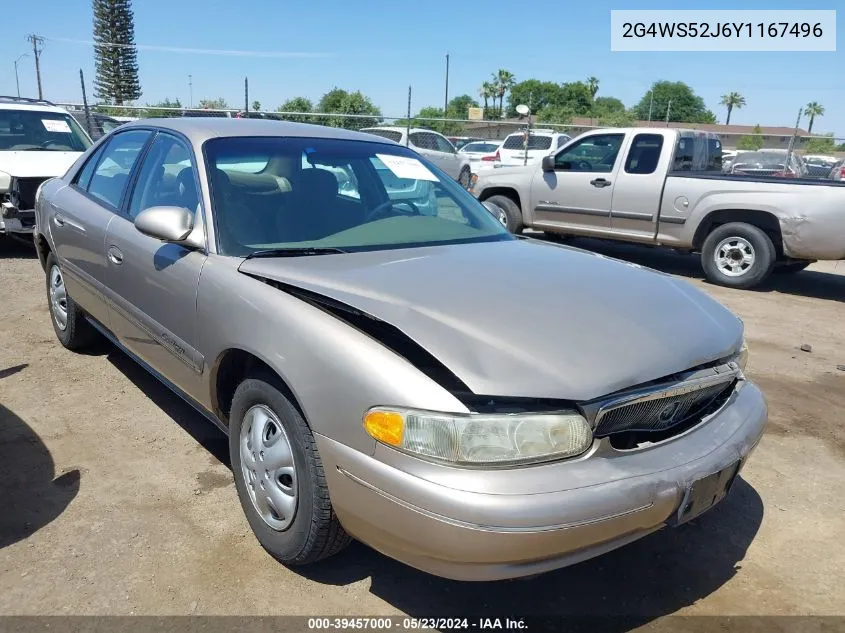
x=17, y=81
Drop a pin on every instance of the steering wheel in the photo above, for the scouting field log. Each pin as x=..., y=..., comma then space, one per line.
x=584, y=165
x=388, y=208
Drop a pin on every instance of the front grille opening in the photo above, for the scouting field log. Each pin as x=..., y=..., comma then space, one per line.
x=633, y=439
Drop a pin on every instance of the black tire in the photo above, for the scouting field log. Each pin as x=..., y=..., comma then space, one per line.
x=464, y=176
x=315, y=532
x=512, y=210
x=763, y=260
x=77, y=334
x=791, y=268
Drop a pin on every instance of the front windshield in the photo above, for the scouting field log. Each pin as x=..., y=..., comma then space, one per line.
x=34, y=130
x=336, y=194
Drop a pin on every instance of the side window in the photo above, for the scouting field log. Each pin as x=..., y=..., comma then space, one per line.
x=419, y=140
x=595, y=154
x=443, y=144
x=112, y=172
x=167, y=177
x=563, y=140
x=83, y=176
x=644, y=154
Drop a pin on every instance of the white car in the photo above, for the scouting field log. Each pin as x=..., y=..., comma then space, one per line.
x=540, y=143
x=38, y=141
x=482, y=154
x=434, y=146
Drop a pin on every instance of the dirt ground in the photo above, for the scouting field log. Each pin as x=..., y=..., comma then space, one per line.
x=116, y=497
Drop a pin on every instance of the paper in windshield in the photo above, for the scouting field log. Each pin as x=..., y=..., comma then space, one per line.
x=53, y=125
x=407, y=167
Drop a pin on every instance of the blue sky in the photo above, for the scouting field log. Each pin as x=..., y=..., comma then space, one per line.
x=381, y=47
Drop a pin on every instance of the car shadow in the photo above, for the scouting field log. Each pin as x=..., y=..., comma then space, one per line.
x=807, y=283
x=31, y=496
x=13, y=247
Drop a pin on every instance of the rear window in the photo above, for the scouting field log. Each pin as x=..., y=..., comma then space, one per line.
x=517, y=141
x=393, y=135
x=698, y=153
x=480, y=147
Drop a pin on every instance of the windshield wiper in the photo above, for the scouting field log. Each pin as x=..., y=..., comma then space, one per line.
x=304, y=251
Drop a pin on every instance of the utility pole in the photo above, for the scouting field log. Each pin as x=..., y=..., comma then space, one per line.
x=88, y=125
x=246, y=97
x=791, y=147
x=668, y=110
x=650, y=104
x=446, y=99
x=191, y=90
x=408, y=124
x=37, y=47
x=17, y=81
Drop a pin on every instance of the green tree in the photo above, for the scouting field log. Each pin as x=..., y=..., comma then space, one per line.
x=603, y=106
x=256, y=105
x=730, y=101
x=115, y=53
x=686, y=106
x=458, y=107
x=813, y=110
x=560, y=114
x=751, y=142
x=577, y=97
x=298, y=104
x=538, y=93
x=340, y=102
x=487, y=91
x=820, y=144
x=213, y=104
x=174, y=109
x=593, y=85
x=617, y=118
x=503, y=80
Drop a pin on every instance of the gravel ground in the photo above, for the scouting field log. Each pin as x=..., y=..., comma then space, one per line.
x=117, y=497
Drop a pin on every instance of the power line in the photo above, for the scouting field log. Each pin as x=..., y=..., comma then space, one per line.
x=37, y=46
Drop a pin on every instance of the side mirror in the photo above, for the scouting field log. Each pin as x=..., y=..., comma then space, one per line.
x=548, y=163
x=168, y=224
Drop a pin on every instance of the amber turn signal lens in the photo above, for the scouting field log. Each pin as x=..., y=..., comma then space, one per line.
x=385, y=426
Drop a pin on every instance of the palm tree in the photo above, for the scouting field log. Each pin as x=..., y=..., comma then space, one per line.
x=504, y=81
x=593, y=85
x=730, y=101
x=813, y=110
x=486, y=92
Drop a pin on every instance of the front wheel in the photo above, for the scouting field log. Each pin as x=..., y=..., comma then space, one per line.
x=279, y=476
x=738, y=255
x=512, y=217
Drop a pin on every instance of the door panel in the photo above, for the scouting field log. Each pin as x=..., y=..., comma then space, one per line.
x=638, y=187
x=578, y=193
x=153, y=284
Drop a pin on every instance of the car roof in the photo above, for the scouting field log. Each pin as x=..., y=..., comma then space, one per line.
x=32, y=107
x=198, y=130
x=398, y=128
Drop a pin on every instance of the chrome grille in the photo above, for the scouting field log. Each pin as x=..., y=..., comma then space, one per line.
x=666, y=405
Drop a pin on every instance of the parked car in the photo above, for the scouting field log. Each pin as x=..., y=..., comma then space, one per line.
x=435, y=147
x=482, y=154
x=38, y=140
x=368, y=363
x=460, y=141
x=837, y=172
x=819, y=166
x=665, y=187
x=206, y=112
x=97, y=124
x=541, y=143
x=770, y=162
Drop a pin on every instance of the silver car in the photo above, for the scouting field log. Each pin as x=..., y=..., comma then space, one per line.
x=477, y=405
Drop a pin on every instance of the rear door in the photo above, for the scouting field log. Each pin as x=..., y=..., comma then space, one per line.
x=426, y=144
x=153, y=283
x=579, y=192
x=81, y=215
x=639, y=185
x=450, y=161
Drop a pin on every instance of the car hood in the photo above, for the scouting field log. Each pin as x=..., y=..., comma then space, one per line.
x=42, y=164
x=525, y=318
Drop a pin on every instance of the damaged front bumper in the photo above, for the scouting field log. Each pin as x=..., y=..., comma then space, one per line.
x=14, y=220
x=17, y=204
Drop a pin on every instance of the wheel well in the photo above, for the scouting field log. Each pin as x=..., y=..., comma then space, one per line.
x=763, y=220
x=500, y=191
x=234, y=366
x=42, y=246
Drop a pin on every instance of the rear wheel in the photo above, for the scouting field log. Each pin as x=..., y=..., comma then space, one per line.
x=69, y=323
x=279, y=476
x=738, y=255
x=512, y=213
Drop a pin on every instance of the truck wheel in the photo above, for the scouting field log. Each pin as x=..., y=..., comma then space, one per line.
x=279, y=476
x=791, y=268
x=69, y=323
x=737, y=255
x=512, y=211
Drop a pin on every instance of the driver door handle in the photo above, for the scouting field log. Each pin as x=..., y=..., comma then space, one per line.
x=115, y=255
x=58, y=220
x=600, y=182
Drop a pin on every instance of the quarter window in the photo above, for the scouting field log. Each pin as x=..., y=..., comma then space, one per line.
x=111, y=175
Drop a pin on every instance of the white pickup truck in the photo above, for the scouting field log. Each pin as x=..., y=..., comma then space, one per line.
x=665, y=187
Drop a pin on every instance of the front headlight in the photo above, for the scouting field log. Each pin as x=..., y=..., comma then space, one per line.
x=481, y=439
x=5, y=181
x=742, y=356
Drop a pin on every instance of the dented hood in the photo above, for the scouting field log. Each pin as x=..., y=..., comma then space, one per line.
x=526, y=318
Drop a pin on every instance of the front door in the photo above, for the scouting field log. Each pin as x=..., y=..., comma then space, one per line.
x=578, y=193
x=154, y=284
x=81, y=214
